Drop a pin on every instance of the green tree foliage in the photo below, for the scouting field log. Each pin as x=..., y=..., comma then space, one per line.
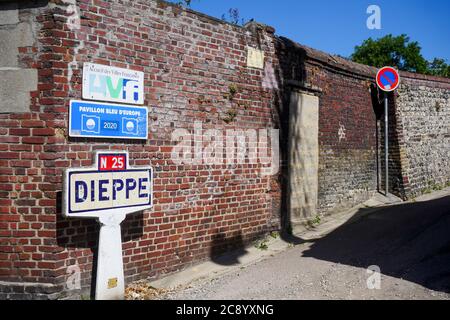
x=391, y=51
x=400, y=53
x=438, y=67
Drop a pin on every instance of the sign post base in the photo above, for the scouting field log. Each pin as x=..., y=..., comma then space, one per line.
x=110, y=283
x=108, y=191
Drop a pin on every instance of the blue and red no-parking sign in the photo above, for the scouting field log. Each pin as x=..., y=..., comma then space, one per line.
x=388, y=79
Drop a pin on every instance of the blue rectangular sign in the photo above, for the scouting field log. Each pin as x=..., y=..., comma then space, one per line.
x=104, y=120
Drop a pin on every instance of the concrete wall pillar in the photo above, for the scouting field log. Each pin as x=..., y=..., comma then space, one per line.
x=303, y=156
x=16, y=82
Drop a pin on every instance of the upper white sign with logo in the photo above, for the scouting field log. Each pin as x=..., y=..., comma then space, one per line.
x=105, y=83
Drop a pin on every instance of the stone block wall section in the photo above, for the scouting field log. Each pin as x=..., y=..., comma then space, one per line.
x=17, y=35
x=423, y=111
x=195, y=69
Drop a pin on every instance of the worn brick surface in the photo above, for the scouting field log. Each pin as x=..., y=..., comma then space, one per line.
x=347, y=122
x=190, y=62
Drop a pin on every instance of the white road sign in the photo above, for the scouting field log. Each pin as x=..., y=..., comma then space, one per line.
x=108, y=185
x=108, y=191
x=105, y=83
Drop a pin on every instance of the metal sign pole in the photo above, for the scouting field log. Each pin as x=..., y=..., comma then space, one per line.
x=386, y=141
x=388, y=80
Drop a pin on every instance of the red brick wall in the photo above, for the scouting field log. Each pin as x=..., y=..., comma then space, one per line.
x=347, y=159
x=190, y=63
x=347, y=122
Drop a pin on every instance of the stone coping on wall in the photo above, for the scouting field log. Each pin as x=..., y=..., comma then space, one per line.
x=335, y=62
x=424, y=80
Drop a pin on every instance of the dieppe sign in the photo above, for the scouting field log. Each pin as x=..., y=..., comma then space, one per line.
x=101, y=120
x=108, y=191
x=388, y=79
x=108, y=187
x=105, y=83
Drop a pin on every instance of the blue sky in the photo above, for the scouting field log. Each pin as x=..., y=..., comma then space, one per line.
x=336, y=26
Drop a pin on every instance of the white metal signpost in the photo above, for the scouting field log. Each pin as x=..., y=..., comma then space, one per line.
x=388, y=79
x=108, y=191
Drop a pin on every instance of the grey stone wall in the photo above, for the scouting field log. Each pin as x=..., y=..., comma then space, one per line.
x=16, y=79
x=423, y=108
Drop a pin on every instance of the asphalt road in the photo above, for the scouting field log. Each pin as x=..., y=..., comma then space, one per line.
x=410, y=243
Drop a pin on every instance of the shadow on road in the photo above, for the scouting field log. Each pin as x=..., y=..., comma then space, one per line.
x=408, y=241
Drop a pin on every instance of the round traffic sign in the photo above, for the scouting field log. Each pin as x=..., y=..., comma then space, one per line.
x=388, y=79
